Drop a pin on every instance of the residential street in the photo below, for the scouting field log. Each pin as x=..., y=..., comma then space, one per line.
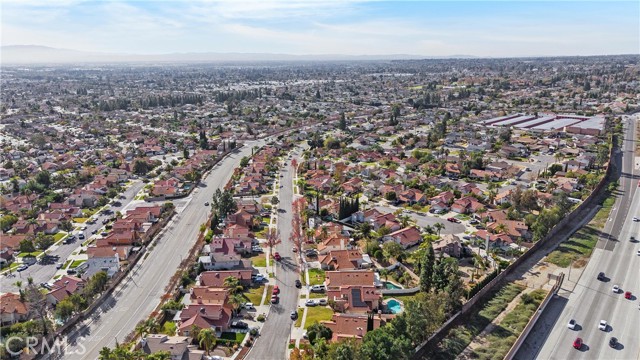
x=140, y=293
x=275, y=334
x=44, y=272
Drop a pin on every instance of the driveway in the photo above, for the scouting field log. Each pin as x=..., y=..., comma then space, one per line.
x=423, y=220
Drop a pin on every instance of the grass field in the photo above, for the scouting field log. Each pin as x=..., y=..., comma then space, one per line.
x=35, y=253
x=458, y=338
x=314, y=295
x=76, y=263
x=254, y=295
x=317, y=314
x=259, y=260
x=237, y=336
x=500, y=340
x=169, y=328
x=581, y=244
x=299, y=319
x=316, y=277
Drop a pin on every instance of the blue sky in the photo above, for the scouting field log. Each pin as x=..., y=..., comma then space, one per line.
x=354, y=27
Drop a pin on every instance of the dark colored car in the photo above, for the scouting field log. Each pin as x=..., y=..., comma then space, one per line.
x=613, y=342
x=239, y=325
x=298, y=284
x=601, y=276
x=577, y=343
x=294, y=315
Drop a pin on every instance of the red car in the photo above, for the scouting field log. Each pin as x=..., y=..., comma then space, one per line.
x=277, y=256
x=577, y=344
x=627, y=295
x=454, y=220
x=276, y=290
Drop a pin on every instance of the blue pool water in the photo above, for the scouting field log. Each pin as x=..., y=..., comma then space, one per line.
x=394, y=306
x=390, y=286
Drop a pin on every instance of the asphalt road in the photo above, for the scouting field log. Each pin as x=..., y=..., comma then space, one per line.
x=592, y=300
x=275, y=334
x=138, y=295
x=44, y=270
x=428, y=220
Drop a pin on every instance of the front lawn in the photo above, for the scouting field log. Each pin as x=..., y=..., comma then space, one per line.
x=233, y=336
x=316, y=277
x=57, y=237
x=317, y=314
x=35, y=254
x=299, y=319
x=259, y=260
x=88, y=212
x=267, y=298
x=315, y=295
x=254, y=295
x=80, y=220
x=76, y=263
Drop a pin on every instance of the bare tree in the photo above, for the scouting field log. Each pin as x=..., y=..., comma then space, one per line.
x=297, y=236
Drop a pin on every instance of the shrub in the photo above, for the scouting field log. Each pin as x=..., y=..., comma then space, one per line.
x=261, y=318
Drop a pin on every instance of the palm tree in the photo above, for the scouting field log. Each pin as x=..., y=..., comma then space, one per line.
x=152, y=325
x=384, y=273
x=501, y=228
x=206, y=339
x=141, y=329
x=236, y=301
x=438, y=226
x=233, y=284
x=19, y=285
x=30, y=280
x=404, y=220
x=105, y=354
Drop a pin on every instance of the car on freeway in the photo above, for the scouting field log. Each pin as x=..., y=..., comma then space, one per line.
x=603, y=325
x=613, y=342
x=615, y=289
x=239, y=325
x=311, y=302
x=294, y=315
x=572, y=324
x=601, y=276
x=22, y=268
x=276, y=290
x=298, y=284
x=577, y=343
x=628, y=295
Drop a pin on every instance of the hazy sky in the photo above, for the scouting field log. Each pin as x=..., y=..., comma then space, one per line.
x=429, y=28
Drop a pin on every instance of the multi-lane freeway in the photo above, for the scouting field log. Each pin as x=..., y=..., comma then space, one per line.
x=137, y=296
x=592, y=300
x=275, y=334
x=43, y=272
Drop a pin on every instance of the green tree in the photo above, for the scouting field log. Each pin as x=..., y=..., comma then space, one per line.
x=317, y=331
x=392, y=249
x=206, y=339
x=233, y=284
x=64, y=309
x=426, y=269
x=343, y=122
x=26, y=246
x=343, y=350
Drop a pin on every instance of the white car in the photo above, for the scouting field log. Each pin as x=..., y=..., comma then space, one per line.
x=572, y=324
x=603, y=325
x=248, y=306
x=638, y=252
x=635, y=218
x=322, y=302
x=616, y=289
x=311, y=302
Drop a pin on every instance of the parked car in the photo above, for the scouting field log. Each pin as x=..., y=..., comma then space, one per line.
x=257, y=249
x=206, y=204
x=276, y=290
x=311, y=253
x=311, y=302
x=239, y=325
x=318, y=288
x=473, y=221
x=258, y=278
x=615, y=289
x=22, y=268
x=603, y=325
x=81, y=236
x=59, y=265
x=577, y=343
x=277, y=256
x=601, y=276
x=294, y=315
x=453, y=220
x=248, y=306
x=322, y=302
x=298, y=284
x=45, y=285
x=572, y=324
x=71, y=271
x=628, y=295
x=274, y=299
x=635, y=218
x=613, y=342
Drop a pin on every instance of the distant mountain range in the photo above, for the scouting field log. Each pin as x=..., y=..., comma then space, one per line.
x=35, y=54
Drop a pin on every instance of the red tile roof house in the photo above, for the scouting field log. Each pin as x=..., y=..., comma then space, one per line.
x=515, y=229
x=63, y=288
x=343, y=260
x=240, y=217
x=406, y=237
x=445, y=197
x=355, y=298
x=208, y=295
x=350, y=326
x=335, y=279
x=389, y=220
x=144, y=214
x=448, y=244
x=495, y=240
x=216, y=278
x=228, y=245
x=332, y=243
x=467, y=204
x=411, y=196
x=12, y=309
x=204, y=316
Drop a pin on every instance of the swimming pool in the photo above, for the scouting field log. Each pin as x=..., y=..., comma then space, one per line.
x=390, y=285
x=394, y=306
